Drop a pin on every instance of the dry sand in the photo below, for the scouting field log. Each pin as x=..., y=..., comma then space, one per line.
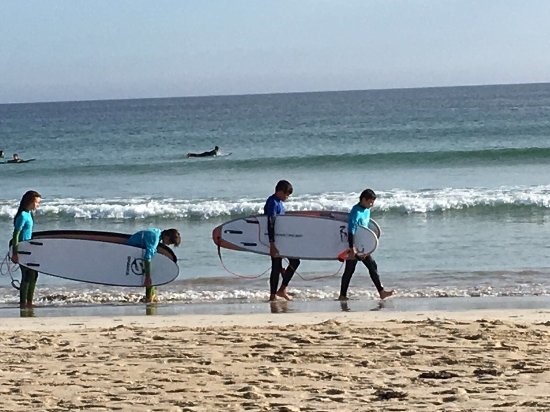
x=453, y=361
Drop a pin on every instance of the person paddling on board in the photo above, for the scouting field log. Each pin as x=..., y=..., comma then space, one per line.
x=149, y=240
x=274, y=207
x=22, y=230
x=15, y=159
x=360, y=216
x=210, y=153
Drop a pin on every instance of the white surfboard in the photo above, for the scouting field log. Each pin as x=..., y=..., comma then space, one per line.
x=296, y=236
x=112, y=237
x=94, y=261
x=331, y=214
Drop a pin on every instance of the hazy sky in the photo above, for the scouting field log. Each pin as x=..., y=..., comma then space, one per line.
x=103, y=49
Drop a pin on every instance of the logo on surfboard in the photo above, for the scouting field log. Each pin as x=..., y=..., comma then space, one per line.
x=135, y=266
x=344, y=233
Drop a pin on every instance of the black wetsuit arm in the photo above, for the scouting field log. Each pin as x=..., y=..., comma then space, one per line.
x=350, y=240
x=271, y=228
x=15, y=241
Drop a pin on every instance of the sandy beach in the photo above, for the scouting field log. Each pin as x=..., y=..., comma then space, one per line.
x=399, y=361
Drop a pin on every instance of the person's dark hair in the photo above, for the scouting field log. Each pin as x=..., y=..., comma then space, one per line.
x=174, y=237
x=367, y=194
x=284, y=186
x=216, y=148
x=25, y=204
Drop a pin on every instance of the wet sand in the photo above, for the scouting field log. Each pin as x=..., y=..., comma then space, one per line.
x=355, y=361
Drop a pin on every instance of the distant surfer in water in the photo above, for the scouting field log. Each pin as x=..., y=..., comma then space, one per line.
x=15, y=159
x=214, y=152
x=22, y=231
x=1, y=154
x=274, y=207
x=360, y=216
x=149, y=240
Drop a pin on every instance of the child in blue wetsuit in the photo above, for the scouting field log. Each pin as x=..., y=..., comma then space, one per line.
x=274, y=207
x=149, y=240
x=22, y=230
x=360, y=216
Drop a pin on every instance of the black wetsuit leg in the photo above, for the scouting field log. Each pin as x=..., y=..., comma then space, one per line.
x=276, y=266
x=290, y=270
x=346, y=277
x=371, y=265
x=27, y=277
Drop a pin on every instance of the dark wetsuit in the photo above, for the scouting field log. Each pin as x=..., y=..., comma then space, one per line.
x=23, y=226
x=274, y=207
x=358, y=216
x=204, y=154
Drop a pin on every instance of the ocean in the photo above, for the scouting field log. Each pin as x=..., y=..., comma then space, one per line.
x=461, y=175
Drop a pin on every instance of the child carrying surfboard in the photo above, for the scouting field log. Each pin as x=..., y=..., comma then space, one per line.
x=149, y=240
x=360, y=216
x=274, y=207
x=22, y=230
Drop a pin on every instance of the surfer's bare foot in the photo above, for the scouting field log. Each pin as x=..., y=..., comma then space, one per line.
x=386, y=293
x=272, y=298
x=282, y=293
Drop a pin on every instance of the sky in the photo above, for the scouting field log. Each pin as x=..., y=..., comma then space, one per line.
x=64, y=50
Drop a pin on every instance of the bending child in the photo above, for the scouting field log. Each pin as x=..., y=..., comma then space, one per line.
x=149, y=240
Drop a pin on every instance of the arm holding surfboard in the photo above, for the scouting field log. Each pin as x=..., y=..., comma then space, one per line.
x=360, y=216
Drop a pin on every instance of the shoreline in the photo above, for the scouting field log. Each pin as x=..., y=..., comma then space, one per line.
x=236, y=307
x=69, y=323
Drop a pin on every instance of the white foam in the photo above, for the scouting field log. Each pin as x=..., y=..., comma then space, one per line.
x=395, y=200
x=78, y=295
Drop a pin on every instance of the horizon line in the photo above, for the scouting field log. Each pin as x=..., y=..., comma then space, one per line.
x=272, y=93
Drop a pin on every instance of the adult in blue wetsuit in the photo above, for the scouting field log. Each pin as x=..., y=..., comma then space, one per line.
x=274, y=207
x=360, y=216
x=22, y=230
x=149, y=240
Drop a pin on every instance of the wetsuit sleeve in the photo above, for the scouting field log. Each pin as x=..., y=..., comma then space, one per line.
x=271, y=228
x=15, y=240
x=152, y=240
x=270, y=210
x=17, y=228
x=353, y=223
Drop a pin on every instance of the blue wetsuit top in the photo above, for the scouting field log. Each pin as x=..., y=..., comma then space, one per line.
x=358, y=216
x=147, y=239
x=273, y=207
x=23, y=224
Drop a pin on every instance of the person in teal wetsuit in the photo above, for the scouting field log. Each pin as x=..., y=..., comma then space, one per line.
x=360, y=216
x=22, y=230
x=149, y=240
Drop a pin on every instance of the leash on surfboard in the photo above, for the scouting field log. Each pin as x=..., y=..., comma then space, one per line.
x=268, y=269
x=317, y=277
x=7, y=268
x=236, y=274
